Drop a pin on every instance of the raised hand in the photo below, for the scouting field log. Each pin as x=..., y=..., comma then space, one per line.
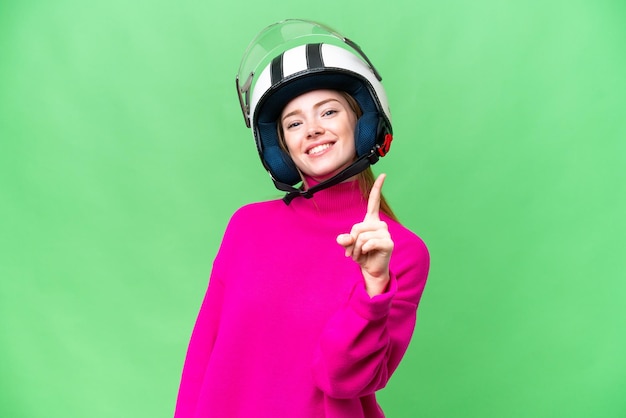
x=369, y=243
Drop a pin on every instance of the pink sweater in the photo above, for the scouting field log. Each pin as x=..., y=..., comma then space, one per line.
x=286, y=328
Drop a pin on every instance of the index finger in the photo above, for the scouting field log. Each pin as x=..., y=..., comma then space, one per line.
x=373, y=203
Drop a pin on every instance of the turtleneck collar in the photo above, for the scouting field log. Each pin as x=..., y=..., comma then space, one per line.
x=342, y=197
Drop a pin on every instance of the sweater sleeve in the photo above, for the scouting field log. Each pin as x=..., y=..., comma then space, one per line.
x=203, y=335
x=199, y=349
x=363, y=343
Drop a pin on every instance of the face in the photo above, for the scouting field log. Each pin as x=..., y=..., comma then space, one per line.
x=318, y=129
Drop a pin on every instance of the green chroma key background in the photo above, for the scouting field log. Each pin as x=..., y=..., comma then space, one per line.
x=123, y=153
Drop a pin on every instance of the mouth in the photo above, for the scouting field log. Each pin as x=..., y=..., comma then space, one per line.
x=318, y=149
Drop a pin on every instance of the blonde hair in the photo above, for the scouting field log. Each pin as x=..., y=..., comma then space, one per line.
x=366, y=177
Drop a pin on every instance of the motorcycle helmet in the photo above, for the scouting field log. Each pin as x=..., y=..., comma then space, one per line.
x=292, y=57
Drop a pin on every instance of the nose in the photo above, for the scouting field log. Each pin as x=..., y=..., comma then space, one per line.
x=314, y=130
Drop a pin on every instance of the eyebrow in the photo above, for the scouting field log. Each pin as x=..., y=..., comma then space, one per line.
x=316, y=105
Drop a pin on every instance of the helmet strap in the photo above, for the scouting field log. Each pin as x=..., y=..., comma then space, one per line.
x=353, y=169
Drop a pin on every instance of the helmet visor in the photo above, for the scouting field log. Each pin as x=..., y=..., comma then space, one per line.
x=276, y=39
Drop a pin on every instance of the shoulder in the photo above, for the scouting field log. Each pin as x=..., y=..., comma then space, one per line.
x=405, y=239
x=253, y=212
x=257, y=208
x=410, y=261
x=252, y=217
x=410, y=253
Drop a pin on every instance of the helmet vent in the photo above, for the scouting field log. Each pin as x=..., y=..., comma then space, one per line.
x=276, y=70
x=314, y=56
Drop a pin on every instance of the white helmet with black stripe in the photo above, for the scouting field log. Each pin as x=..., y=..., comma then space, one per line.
x=293, y=57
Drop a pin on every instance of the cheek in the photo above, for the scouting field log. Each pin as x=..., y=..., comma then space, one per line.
x=349, y=133
x=291, y=144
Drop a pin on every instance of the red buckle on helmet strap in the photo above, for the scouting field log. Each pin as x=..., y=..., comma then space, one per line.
x=384, y=148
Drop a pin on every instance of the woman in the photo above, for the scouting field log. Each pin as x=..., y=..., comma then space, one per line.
x=312, y=299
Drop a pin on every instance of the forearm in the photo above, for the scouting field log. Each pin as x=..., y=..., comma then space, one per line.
x=362, y=344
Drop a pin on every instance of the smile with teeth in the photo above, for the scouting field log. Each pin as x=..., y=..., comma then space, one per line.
x=319, y=148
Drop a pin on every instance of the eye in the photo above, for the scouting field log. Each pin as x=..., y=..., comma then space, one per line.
x=292, y=124
x=329, y=112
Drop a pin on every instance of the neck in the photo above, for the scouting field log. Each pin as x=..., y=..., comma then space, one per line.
x=309, y=182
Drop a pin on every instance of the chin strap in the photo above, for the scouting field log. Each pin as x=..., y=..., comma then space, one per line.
x=352, y=170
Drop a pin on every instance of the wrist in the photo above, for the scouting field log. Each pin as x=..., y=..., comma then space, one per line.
x=376, y=285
